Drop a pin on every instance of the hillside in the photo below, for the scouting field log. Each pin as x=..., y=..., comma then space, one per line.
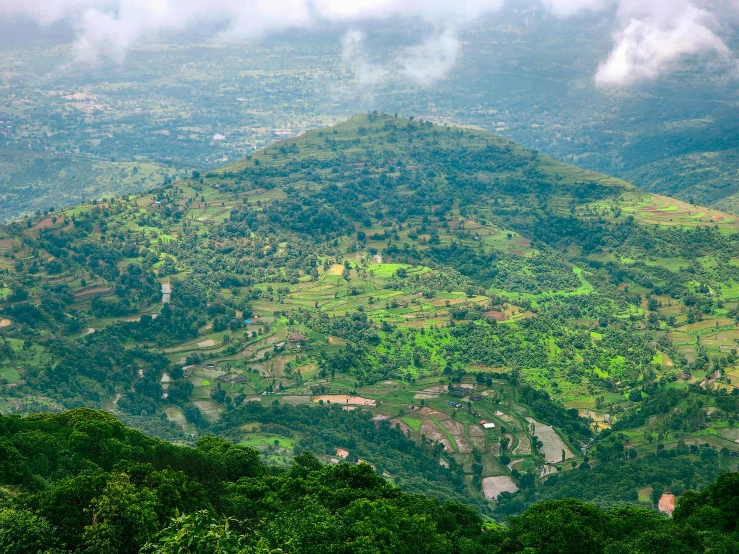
x=424, y=279
x=82, y=482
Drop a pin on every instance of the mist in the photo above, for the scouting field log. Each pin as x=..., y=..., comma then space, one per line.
x=649, y=36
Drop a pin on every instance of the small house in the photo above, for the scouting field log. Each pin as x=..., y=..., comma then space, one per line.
x=296, y=340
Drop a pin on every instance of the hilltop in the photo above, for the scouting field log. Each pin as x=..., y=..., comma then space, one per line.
x=424, y=278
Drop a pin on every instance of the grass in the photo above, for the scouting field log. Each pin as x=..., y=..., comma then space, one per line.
x=414, y=424
x=268, y=440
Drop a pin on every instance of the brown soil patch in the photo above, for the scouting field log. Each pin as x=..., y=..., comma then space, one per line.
x=254, y=398
x=295, y=400
x=345, y=399
x=88, y=293
x=476, y=431
x=553, y=443
x=5, y=323
x=495, y=315
x=43, y=224
x=435, y=434
x=667, y=503
x=456, y=428
x=336, y=341
x=402, y=425
x=436, y=389
x=524, y=446
x=6, y=243
x=452, y=301
x=493, y=486
x=434, y=413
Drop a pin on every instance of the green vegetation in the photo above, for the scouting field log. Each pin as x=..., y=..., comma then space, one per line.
x=82, y=482
x=479, y=322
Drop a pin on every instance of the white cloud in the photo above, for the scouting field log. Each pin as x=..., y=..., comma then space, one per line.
x=652, y=35
x=353, y=55
x=567, y=8
x=430, y=61
x=648, y=35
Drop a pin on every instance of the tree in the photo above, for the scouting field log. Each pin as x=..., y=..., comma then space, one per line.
x=123, y=518
x=22, y=532
x=202, y=533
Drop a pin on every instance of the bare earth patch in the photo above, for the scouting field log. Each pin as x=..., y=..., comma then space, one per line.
x=434, y=413
x=493, y=486
x=207, y=343
x=402, y=425
x=345, y=399
x=523, y=447
x=553, y=444
x=435, y=434
x=295, y=400
x=86, y=294
x=456, y=428
x=5, y=323
x=667, y=503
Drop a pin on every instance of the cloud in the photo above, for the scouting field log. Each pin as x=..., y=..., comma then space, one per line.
x=568, y=8
x=353, y=55
x=653, y=35
x=115, y=26
x=430, y=61
x=648, y=35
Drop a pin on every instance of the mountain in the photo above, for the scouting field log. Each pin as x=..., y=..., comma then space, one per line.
x=378, y=289
x=189, y=103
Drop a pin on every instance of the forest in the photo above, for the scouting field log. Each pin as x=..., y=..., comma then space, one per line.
x=80, y=481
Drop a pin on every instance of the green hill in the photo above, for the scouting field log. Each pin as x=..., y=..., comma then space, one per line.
x=428, y=277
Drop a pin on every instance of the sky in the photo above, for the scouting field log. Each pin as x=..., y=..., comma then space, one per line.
x=648, y=35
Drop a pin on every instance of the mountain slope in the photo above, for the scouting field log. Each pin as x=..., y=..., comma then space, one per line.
x=432, y=276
